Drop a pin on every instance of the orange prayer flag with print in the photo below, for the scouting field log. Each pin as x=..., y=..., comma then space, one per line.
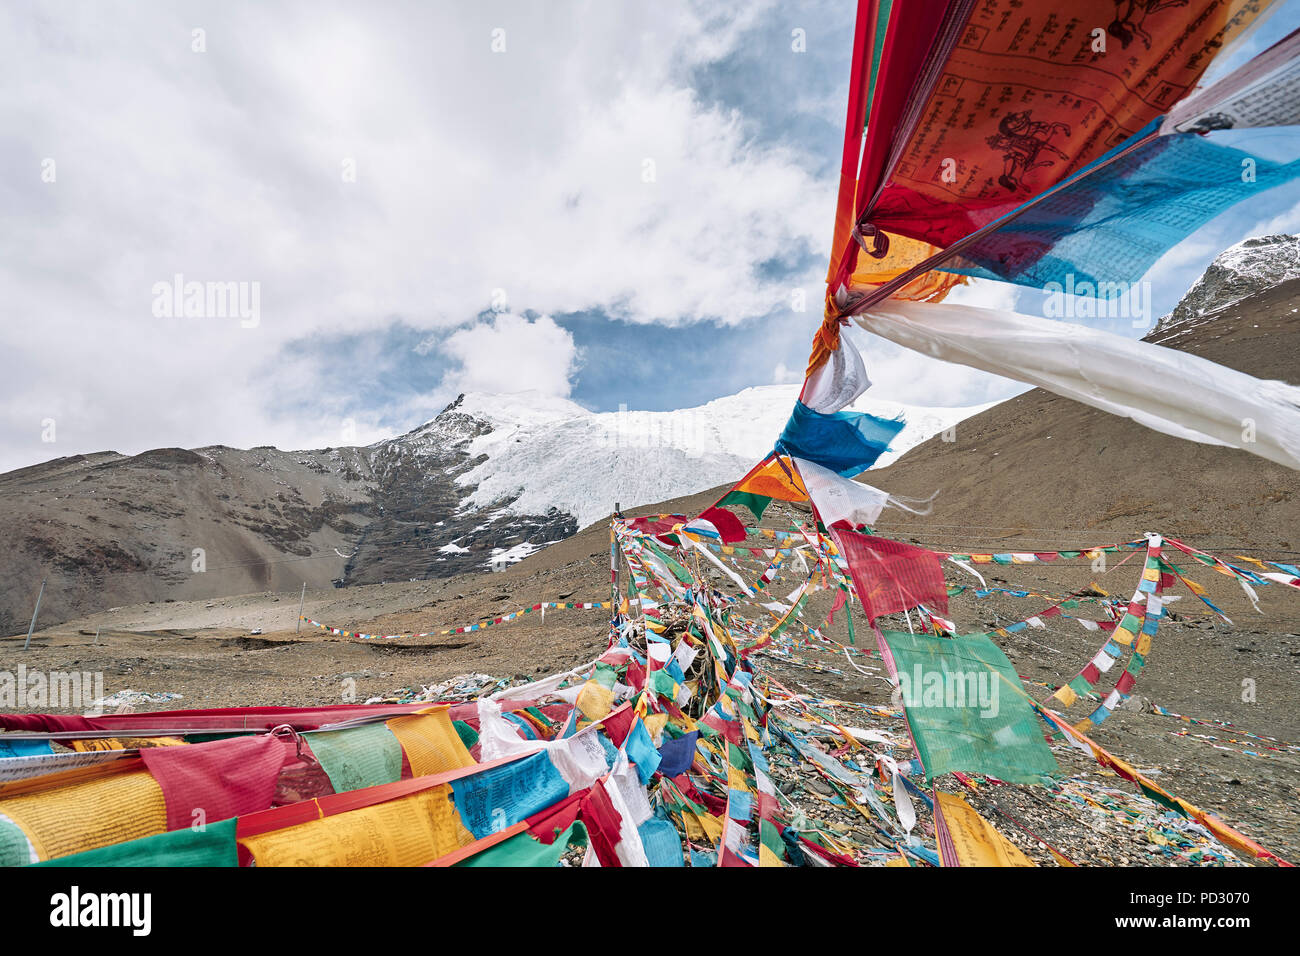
x=775, y=478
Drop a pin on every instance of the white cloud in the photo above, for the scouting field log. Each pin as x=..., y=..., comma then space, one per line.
x=1285, y=223
x=474, y=171
x=782, y=375
x=985, y=294
x=510, y=353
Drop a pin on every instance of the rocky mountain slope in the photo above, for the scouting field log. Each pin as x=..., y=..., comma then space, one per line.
x=493, y=479
x=1251, y=266
x=487, y=482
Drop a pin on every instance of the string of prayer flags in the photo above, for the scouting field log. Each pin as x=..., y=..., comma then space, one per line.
x=666, y=750
x=466, y=628
x=1134, y=631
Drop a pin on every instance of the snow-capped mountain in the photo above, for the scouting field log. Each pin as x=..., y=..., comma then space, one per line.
x=1251, y=266
x=545, y=453
x=488, y=481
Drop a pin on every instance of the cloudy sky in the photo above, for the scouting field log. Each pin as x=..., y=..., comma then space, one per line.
x=615, y=202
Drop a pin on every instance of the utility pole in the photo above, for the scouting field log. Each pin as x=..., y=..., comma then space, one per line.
x=301, y=598
x=31, y=627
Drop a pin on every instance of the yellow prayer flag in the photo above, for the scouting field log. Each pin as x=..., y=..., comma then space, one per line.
x=89, y=815
x=410, y=831
x=974, y=839
x=767, y=858
x=702, y=826
x=431, y=742
x=124, y=743
x=1066, y=695
x=595, y=700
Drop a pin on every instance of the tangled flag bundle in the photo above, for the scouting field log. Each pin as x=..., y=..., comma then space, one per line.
x=664, y=751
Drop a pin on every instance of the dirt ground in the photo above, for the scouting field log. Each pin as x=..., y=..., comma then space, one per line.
x=1198, y=667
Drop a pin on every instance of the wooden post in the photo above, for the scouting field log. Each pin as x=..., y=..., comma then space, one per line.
x=31, y=627
x=301, y=598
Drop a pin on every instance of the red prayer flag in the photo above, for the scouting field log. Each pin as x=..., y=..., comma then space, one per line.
x=729, y=526
x=618, y=723
x=223, y=779
x=603, y=824
x=547, y=824
x=840, y=599
x=301, y=778
x=890, y=576
x=656, y=525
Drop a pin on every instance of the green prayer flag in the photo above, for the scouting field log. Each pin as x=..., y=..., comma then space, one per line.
x=524, y=849
x=1079, y=684
x=661, y=682
x=214, y=845
x=770, y=837
x=755, y=503
x=15, y=849
x=467, y=734
x=966, y=708
x=358, y=757
x=1161, y=799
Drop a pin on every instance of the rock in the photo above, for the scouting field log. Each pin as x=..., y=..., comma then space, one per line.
x=818, y=785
